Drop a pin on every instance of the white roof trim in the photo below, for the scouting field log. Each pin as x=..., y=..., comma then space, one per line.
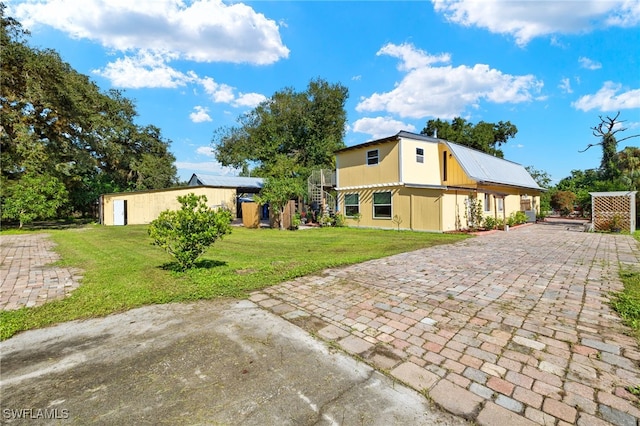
x=378, y=185
x=613, y=193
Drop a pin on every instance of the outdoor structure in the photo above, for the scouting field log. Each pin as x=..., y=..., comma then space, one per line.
x=613, y=211
x=142, y=207
x=417, y=182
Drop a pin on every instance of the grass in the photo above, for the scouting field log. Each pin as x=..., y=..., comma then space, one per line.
x=627, y=302
x=122, y=270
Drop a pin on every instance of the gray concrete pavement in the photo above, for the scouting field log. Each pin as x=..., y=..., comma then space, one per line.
x=207, y=363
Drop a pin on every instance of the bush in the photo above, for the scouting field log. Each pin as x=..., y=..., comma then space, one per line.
x=339, y=220
x=489, y=222
x=187, y=233
x=563, y=201
x=521, y=218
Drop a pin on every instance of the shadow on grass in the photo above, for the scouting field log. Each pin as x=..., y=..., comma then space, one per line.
x=200, y=264
x=45, y=225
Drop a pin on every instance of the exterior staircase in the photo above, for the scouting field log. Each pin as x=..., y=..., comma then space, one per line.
x=318, y=183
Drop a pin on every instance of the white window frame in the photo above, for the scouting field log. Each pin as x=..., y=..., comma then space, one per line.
x=487, y=203
x=351, y=205
x=371, y=158
x=500, y=203
x=373, y=202
x=420, y=155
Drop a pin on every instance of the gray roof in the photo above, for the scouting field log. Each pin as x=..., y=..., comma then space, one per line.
x=226, y=181
x=486, y=168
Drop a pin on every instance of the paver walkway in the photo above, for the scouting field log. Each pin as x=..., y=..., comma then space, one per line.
x=27, y=280
x=510, y=328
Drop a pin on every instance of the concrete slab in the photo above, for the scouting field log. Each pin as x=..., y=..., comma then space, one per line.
x=219, y=362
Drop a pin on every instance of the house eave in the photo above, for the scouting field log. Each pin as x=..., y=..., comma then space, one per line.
x=372, y=186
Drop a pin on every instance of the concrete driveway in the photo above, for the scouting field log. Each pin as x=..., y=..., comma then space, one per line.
x=509, y=328
x=219, y=362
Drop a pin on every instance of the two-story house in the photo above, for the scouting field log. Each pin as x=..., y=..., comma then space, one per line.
x=417, y=182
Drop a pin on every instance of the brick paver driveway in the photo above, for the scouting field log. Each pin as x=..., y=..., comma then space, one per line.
x=509, y=328
x=27, y=277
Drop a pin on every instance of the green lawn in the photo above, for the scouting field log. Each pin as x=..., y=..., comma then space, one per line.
x=122, y=270
x=627, y=302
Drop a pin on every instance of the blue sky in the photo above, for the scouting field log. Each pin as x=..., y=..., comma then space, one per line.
x=552, y=68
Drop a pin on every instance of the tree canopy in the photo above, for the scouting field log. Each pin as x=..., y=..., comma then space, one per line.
x=289, y=134
x=57, y=123
x=486, y=137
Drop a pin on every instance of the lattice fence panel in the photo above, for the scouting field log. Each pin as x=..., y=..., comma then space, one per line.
x=606, y=207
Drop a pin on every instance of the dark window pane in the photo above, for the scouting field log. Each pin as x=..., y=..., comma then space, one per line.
x=382, y=198
x=351, y=210
x=382, y=211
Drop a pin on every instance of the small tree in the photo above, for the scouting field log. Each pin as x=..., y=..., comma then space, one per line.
x=278, y=192
x=563, y=201
x=187, y=233
x=33, y=197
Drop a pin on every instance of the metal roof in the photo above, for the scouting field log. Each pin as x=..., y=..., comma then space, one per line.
x=486, y=168
x=226, y=181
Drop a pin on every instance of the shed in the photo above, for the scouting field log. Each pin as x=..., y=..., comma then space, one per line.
x=142, y=207
x=616, y=208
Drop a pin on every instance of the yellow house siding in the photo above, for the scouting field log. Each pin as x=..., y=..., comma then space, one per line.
x=412, y=171
x=454, y=207
x=411, y=209
x=365, y=196
x=144, y=207
x=455, y=173
x=354, y=171
x=422, y=208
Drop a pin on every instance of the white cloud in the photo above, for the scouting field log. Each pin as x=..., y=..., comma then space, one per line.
x=147, y=69
x=589, y=63
x=221, y=93
x=608, y=98
x=380, y=127
x=187, y=168
x=250, y=100
x=200, y=114
x=412, y=58
x=207, y=151
x=526, y=20
x=202, y=31
x=446, y=91
x=565, y=85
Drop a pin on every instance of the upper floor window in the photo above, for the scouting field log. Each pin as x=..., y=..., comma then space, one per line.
x=420, y=155
x=372, y=157
x=351, y=204
x=444, y=165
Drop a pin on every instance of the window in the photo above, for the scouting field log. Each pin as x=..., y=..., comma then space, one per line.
x=351, y=204
x=500, y=202
x=372, y=157
x=444, y=165
x=382, y=205
x=487, y=202
x=420, y=155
